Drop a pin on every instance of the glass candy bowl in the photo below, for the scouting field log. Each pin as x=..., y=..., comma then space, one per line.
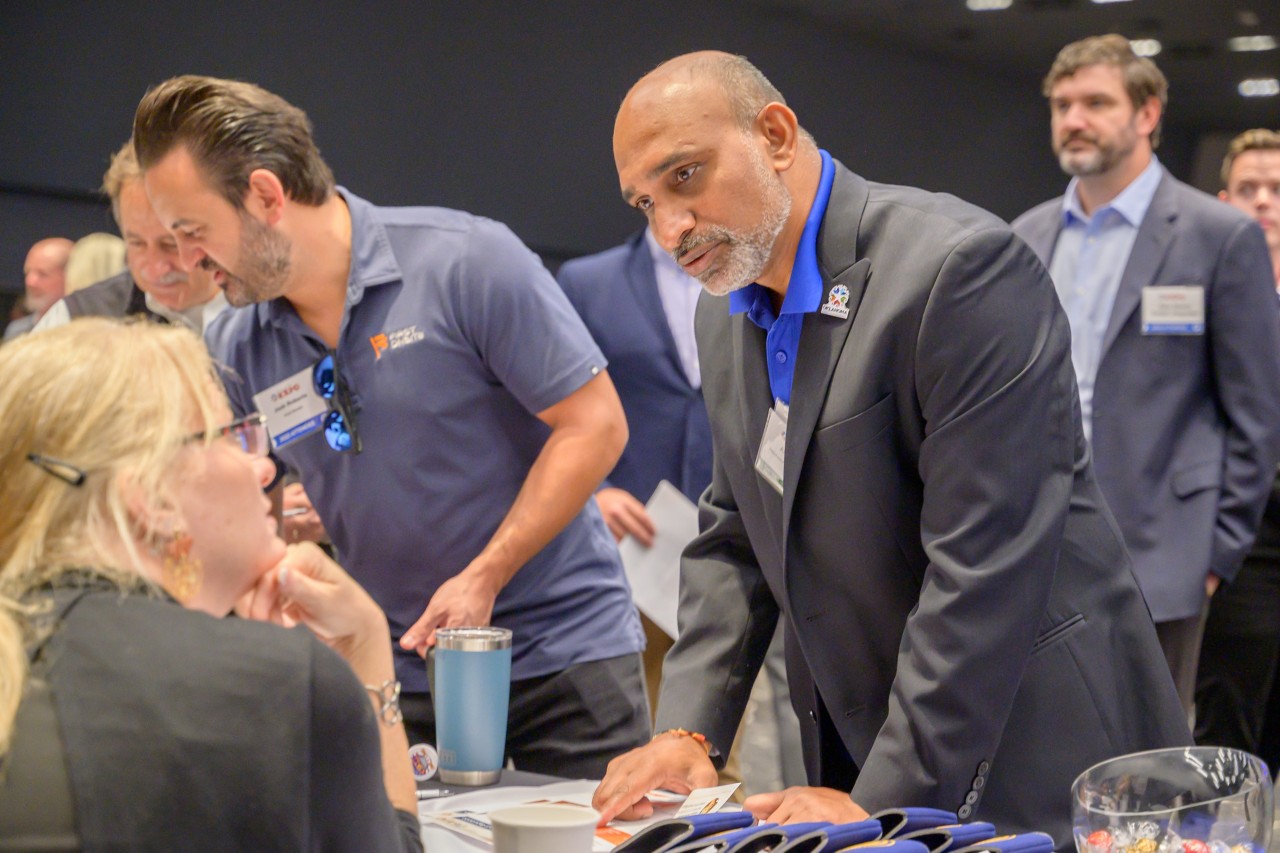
x=1199, y=799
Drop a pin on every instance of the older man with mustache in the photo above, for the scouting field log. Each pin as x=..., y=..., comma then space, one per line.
x=155, y=283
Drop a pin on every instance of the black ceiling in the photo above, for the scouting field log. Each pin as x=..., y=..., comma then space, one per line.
x=1023, y=39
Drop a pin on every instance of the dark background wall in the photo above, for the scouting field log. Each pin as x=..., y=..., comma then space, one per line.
x=500, y=108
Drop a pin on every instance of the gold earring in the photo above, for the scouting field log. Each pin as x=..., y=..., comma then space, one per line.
x=182, y=573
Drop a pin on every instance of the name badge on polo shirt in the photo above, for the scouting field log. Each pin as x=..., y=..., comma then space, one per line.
x=293, y=408
x=773, y=446
x=1173, y=310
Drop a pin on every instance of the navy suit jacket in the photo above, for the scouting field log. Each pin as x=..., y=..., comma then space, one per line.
x=1186, y=428
x=616, y=294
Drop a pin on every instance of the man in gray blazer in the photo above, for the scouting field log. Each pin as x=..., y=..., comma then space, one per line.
x=899, y=469
x=1175, y=338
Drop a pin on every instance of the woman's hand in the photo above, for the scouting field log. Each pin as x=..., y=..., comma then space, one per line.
x=307, y=587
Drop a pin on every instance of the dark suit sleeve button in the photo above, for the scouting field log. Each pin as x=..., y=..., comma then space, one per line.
x=979, y=782
x=964, y=812
x=984, y=768
x=971, y=798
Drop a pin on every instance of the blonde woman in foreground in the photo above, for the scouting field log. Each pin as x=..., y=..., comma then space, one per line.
x=131, y=717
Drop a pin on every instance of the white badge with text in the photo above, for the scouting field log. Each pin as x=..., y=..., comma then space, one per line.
x=1173, y=310
x=773, y=446
x=292, y=407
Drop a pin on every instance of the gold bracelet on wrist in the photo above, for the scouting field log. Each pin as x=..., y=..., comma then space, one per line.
x=387, y=693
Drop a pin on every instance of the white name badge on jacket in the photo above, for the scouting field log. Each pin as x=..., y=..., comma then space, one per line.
x=293, y=408
x=773, y=446
x=1173, y=310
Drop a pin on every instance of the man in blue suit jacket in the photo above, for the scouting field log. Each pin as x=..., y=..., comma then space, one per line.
x=646, y=332
x=639, y=305
x=1175, y=339
x=617, y=295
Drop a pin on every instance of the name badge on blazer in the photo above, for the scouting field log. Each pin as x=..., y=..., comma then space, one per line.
x=773, y=446
x=1173, y=310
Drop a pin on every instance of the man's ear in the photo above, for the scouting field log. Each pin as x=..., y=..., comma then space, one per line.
x=781, y=131
x=265, y=197
x=1149, y=115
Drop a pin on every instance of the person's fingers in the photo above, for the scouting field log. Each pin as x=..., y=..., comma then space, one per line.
x=631, y=776
x=421, y=634
x=644, y=524
x=265, y=594
x=628, y=515
x=304, y=592
x=314, y=563
x=626, y=805
x=641, y=528
x=639, y=810
x=623, y=522
x=615, y=527
x=764, y=805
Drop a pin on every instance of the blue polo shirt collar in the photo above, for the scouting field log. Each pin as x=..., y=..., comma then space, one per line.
x=804, y=289
x=372, y=261
x=1131, y=204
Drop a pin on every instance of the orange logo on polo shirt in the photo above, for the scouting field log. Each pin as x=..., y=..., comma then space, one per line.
x=394, y=340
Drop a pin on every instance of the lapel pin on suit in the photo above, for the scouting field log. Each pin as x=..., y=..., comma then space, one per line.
x=837, y=304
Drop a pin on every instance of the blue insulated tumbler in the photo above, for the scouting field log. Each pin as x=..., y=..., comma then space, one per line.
x=470, y=687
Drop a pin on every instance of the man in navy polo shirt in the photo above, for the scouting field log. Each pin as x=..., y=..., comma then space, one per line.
x=448, y=412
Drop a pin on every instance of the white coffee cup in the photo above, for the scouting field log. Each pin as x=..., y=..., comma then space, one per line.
x=543, y=829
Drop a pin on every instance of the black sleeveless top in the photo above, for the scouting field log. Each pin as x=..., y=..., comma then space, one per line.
x=147, y=726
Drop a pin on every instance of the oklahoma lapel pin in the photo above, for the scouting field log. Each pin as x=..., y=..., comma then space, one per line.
x=837, y=304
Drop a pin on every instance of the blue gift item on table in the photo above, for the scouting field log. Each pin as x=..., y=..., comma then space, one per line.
x=895, y=822
x=835, y=836
x=666, y=835
x=884, y=845
x=951, y=837
x=1195, y=799
x=751, y=839
x=1027, y=842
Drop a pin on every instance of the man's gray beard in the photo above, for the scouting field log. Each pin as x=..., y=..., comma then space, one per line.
x=1102, y=159
x=747, y=253
x=1076, y=167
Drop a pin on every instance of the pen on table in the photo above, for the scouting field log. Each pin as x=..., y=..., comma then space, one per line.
x=432, y=793
x=292, y=511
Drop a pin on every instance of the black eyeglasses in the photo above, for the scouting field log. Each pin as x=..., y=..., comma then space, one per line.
x=340, y=429
x=250, y=432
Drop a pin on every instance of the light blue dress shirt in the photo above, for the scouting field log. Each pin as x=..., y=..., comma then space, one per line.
x=679, y=294
x=1088, y=263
